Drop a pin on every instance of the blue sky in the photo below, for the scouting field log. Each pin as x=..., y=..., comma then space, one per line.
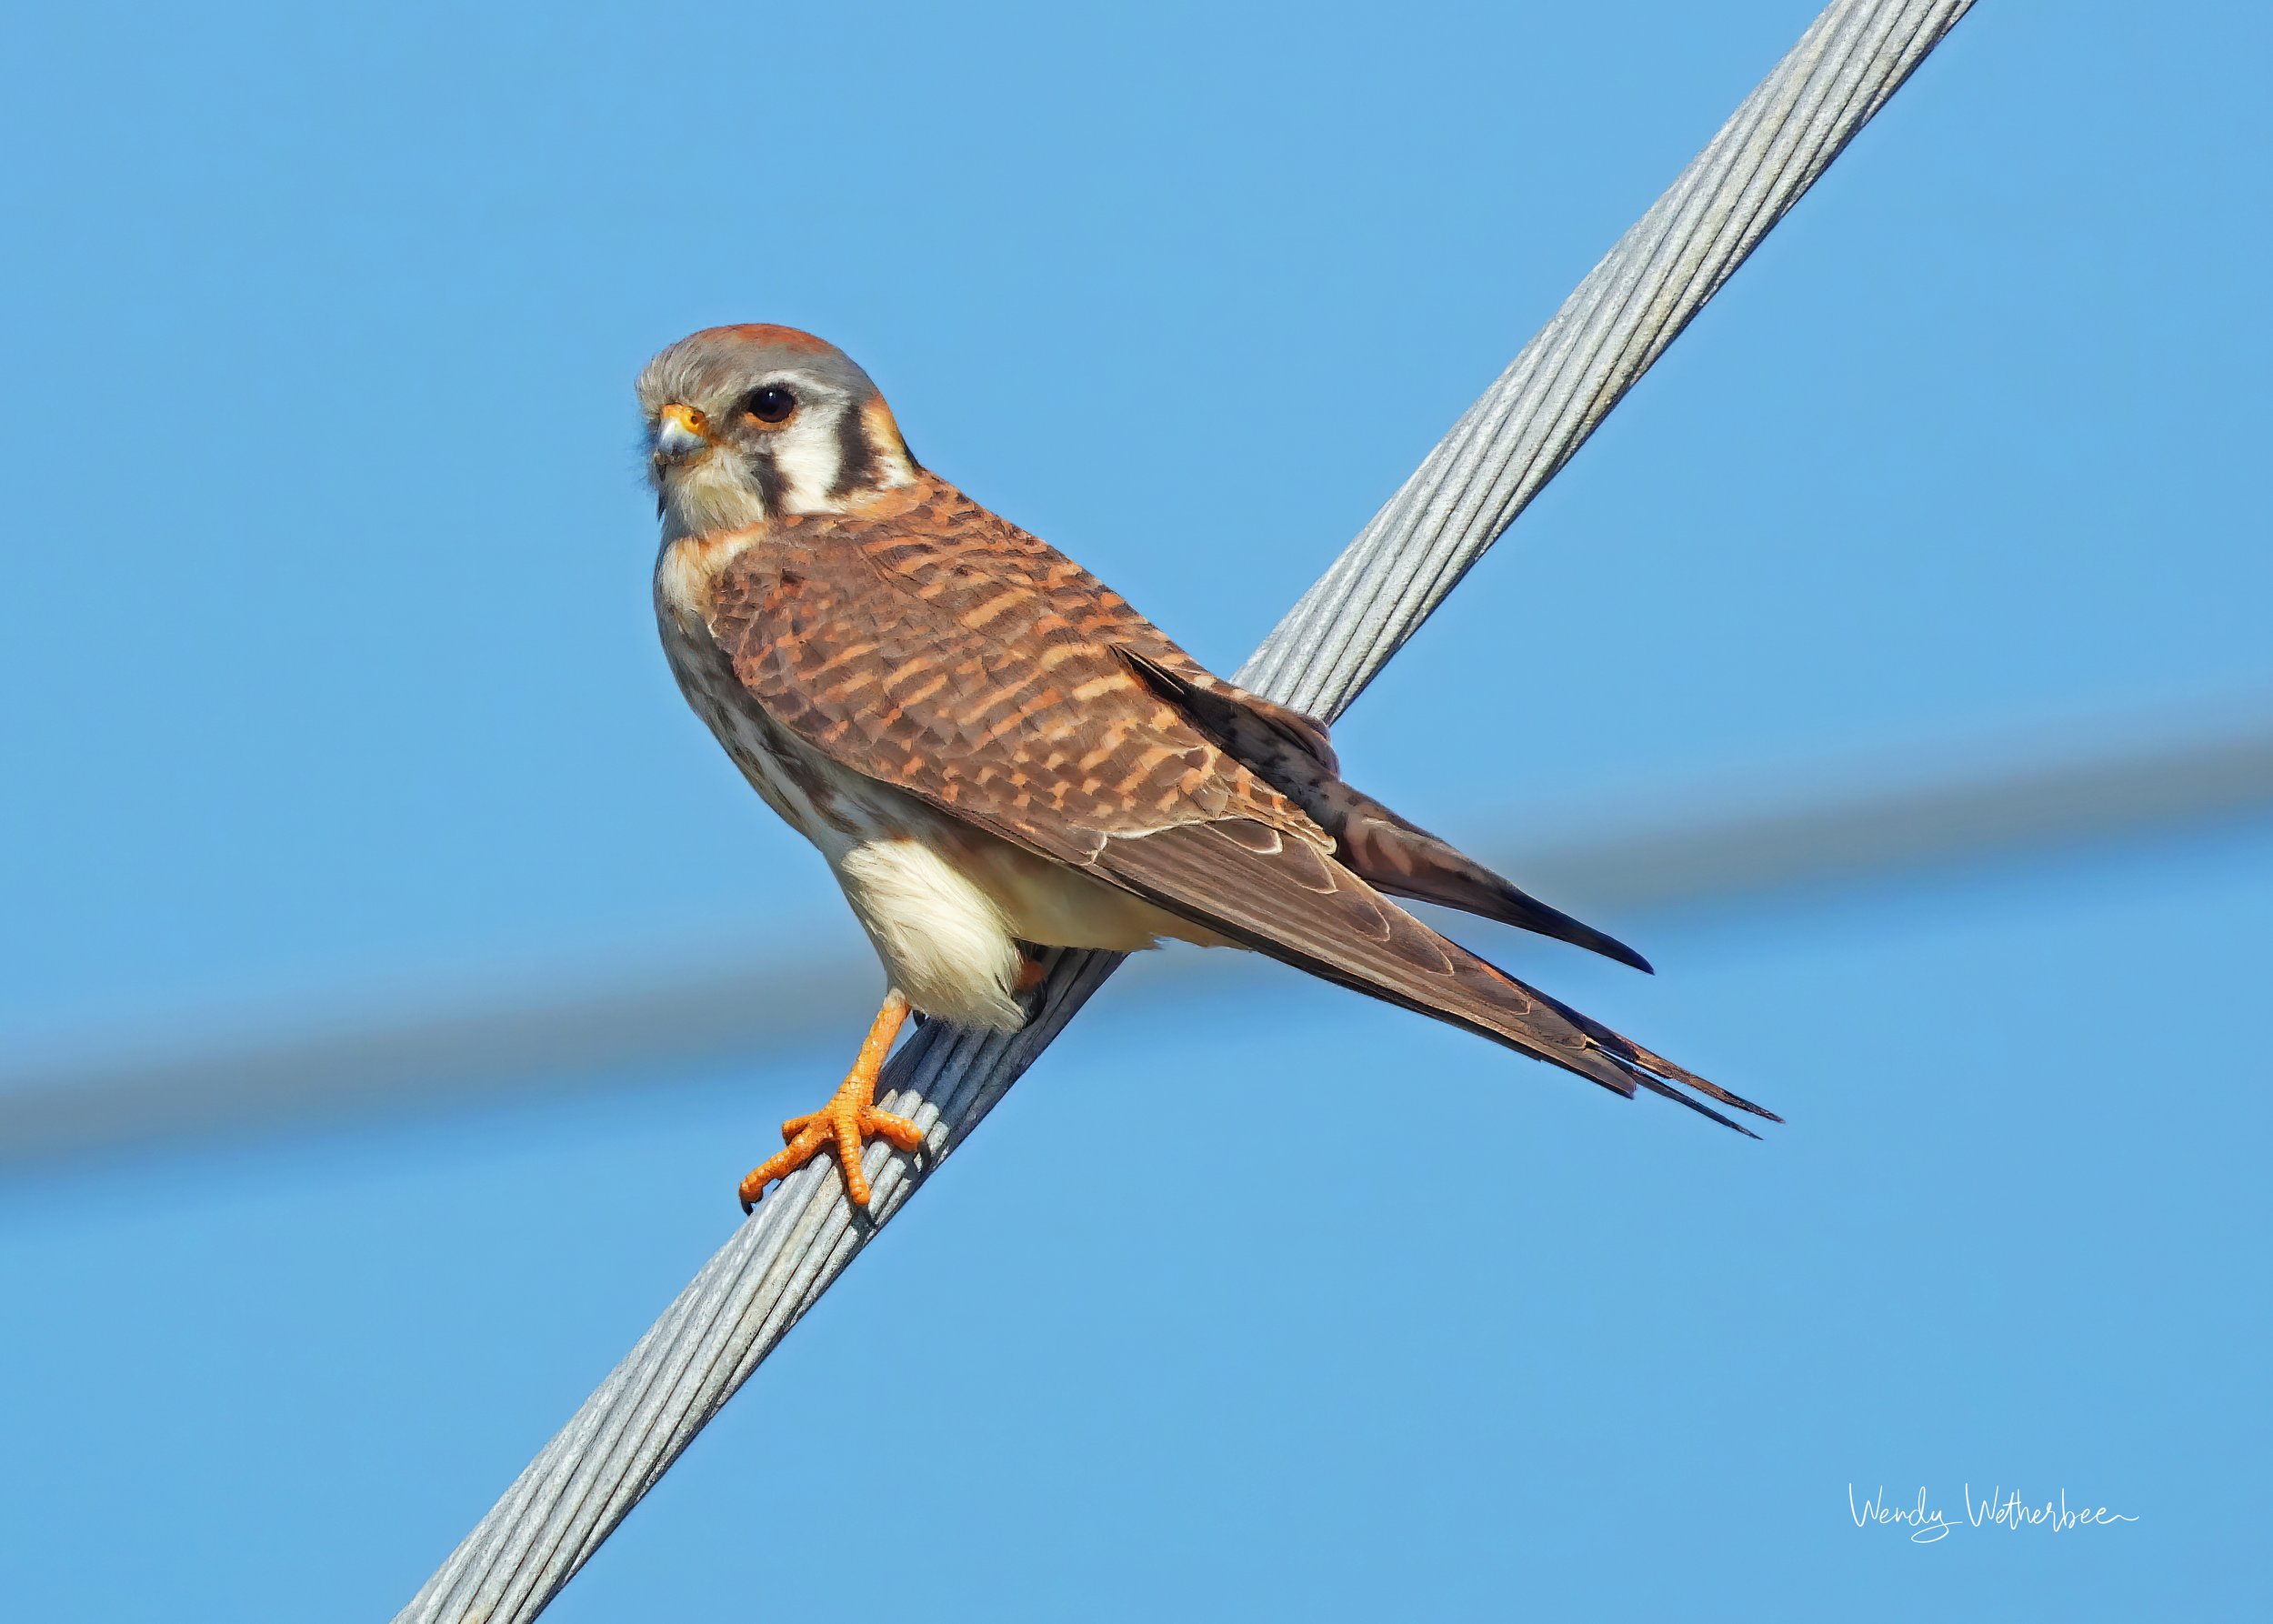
x=332, y=675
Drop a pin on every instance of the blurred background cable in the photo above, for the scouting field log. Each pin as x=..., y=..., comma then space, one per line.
x=564, y=1028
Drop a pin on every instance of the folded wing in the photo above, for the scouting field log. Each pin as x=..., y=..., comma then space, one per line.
x=1290, y=751
x=968, y=663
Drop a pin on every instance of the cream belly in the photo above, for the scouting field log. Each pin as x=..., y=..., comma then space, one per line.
x=947, y=906
x=944, y=902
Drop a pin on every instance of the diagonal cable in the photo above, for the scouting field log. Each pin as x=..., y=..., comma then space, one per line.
x=1507, y=445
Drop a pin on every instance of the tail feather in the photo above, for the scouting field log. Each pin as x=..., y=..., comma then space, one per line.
x=1295, y=903
x=1646, y=1061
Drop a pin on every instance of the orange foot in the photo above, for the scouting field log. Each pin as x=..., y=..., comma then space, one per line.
x=848, y=1121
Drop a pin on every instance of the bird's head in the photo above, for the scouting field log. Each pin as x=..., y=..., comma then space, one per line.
x=747, y=424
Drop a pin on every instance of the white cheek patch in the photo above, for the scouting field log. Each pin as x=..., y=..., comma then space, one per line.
x=808, y=458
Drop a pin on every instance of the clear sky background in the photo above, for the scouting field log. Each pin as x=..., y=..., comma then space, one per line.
x=330, y=674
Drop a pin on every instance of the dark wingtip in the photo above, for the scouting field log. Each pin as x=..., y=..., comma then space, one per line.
x=1609, y=946
x=1527, y=911
x=1588, y=937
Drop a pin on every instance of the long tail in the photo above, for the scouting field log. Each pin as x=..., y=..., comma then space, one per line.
x=1285, y=899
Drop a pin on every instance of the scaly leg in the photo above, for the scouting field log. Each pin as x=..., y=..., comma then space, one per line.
x=848, y=1121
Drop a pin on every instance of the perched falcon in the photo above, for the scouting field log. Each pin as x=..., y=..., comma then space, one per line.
x=993, y=751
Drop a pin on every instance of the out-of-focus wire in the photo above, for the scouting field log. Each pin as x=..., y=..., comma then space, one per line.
x=612, y=1028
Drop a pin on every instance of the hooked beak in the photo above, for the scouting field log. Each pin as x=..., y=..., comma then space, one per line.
x=681, y=435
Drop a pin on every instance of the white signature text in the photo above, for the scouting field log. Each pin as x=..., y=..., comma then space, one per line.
x=1927, y=1522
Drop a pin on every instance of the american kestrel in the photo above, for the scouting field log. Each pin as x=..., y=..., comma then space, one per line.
x=994, y=751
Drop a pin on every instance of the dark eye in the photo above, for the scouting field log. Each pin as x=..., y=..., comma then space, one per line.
x=773, y=404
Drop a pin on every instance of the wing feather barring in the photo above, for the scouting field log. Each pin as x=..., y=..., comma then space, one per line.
x=992, y=750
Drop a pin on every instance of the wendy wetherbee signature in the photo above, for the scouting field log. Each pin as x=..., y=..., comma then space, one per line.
x=1999, y=1510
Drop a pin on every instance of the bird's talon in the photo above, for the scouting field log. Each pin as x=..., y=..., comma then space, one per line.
x=903, y=1133
x=847, y=1122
